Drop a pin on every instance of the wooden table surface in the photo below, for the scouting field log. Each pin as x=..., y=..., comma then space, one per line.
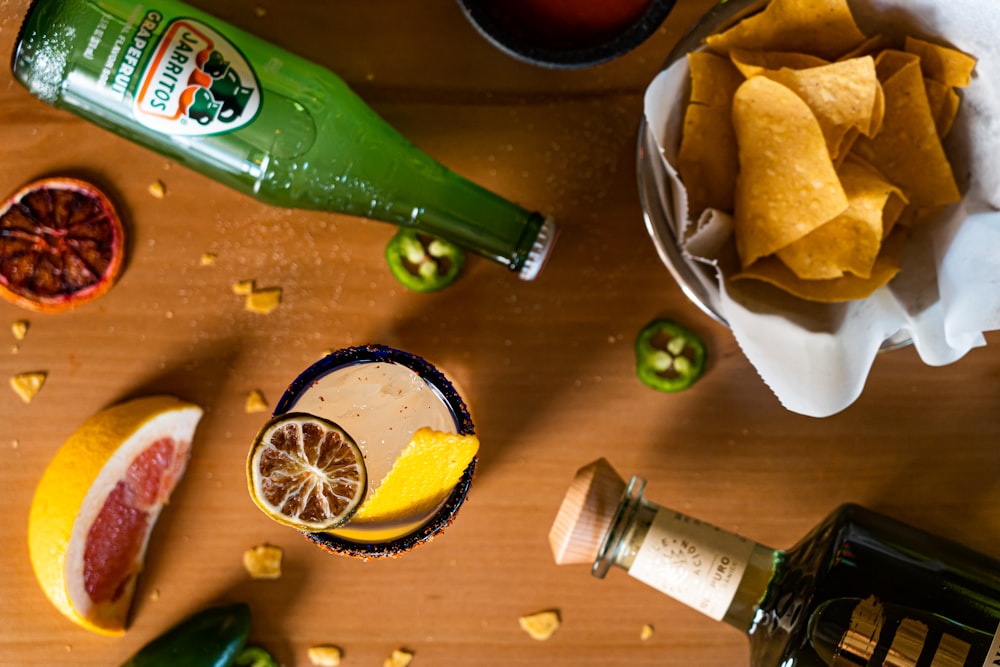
x=546, y=365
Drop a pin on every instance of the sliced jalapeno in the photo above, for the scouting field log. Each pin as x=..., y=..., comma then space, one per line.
x=668, y=357
x=212, y=637
x=423, y=263
x=254, y=656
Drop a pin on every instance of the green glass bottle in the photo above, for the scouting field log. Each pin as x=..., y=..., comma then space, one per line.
x=259, y=119
x=861, y=589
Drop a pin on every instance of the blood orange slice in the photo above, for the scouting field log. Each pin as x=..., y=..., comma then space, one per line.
x=61, y=245
x=97, y=503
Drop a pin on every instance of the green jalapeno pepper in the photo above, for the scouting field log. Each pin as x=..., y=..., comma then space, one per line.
x=423, y=263
x=254, y=656
x=668, y=357
x=212, y=637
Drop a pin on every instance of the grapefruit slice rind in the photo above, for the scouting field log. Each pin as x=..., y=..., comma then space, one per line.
x=97, y=503
x=422, y=477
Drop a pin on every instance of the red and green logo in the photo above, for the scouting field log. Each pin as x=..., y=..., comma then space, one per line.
x=196, y=83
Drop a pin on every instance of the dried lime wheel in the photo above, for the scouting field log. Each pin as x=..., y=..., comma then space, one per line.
x=305, y=472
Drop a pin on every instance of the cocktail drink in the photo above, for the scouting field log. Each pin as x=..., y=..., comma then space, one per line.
x=380, y=397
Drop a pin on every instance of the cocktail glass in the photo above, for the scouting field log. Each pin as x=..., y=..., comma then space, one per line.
x=380, y=395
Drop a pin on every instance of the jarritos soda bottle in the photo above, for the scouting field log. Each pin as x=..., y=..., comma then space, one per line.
x=259, y=119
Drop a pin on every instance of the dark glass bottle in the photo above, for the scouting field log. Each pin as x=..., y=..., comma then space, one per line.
x=860, y=589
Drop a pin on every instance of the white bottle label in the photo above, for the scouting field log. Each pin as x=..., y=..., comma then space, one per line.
x=196, y=83
x=693, y=562
x=993, y=657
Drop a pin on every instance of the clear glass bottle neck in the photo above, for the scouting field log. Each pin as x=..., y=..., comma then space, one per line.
x=741, y=570
x=615, y=548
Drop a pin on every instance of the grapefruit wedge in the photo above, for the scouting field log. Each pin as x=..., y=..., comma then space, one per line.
x=97, y=502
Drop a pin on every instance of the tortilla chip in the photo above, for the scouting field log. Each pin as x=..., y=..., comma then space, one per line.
x=707, y=160
x=787, y=185
x=752, y=63
x=850, y=242
x=890, y=61
x=907, y=149
x=843, y=95
x=878, y=112
x=892, y=213
x=944, y=102
x=846, y=288
x=941, y=63
x=870, y=47
x=914, y=215
x=843, y=149
x=714, y=80
x=823, y=28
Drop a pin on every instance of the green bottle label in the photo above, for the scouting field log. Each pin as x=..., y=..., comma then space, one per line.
x=196, y=82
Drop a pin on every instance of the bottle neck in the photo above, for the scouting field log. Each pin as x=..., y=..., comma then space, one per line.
x=716, y=572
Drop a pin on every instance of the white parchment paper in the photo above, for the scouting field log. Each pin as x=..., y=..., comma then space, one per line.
x=814, y=357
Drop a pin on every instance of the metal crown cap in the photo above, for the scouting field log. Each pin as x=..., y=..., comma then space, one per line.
x=540, y=250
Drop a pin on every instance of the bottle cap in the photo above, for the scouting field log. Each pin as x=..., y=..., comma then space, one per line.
x=586, y=514
x=540, y=250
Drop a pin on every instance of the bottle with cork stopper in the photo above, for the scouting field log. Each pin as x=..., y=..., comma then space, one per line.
x=859, y=589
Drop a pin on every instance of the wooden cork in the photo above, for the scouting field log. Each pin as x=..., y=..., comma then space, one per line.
x=586, y=514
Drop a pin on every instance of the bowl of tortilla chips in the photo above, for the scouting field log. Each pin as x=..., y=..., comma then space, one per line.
x=824, y=145
x=799, y=156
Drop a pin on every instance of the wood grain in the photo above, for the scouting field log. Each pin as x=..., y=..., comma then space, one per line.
x=546, y=366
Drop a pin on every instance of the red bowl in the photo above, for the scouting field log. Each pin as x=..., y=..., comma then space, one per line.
x=566, y=34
